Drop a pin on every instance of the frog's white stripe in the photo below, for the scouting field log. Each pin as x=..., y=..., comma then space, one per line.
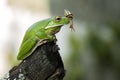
x=53, y=26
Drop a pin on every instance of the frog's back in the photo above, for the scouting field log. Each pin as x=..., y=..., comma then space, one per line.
x=39, y=25
x=36, y=27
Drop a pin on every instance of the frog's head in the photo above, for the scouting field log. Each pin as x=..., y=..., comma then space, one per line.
x=55, y=24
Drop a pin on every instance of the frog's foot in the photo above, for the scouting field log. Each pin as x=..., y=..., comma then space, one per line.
x=41, y=42
x=49, y=39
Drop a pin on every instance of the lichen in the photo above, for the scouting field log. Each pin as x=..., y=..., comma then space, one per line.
x=21, y=77
x=15, y=79
x=5, y=77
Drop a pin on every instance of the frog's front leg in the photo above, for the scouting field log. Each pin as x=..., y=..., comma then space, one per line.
x=51, y=37
x=43, y=37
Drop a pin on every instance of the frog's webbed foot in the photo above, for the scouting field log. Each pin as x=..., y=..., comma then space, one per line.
x=44, y=41
x=41, y=42
x=49, y=39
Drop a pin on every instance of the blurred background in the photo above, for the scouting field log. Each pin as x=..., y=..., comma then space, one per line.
x=92, y=52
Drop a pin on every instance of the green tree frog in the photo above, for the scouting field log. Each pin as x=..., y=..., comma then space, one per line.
x=42, y=32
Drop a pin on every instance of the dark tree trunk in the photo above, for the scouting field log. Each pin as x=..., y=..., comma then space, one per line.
x=45, y=63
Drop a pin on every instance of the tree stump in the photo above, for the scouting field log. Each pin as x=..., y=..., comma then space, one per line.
x=44, y=63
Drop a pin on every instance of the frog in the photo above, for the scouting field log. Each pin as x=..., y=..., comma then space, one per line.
x=42, y=32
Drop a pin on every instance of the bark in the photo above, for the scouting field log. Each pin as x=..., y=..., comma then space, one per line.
x=45, y=63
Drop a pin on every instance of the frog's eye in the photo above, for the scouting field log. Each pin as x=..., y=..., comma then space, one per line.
x=57, y=18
